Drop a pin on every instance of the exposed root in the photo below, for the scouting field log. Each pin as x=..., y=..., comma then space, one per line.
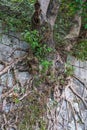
x=72, y=89
x=12, y=64
x=73, y=111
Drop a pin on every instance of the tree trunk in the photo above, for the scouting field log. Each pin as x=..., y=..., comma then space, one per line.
x=46, y=16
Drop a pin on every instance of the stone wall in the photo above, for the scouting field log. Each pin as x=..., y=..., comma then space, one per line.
x=11, y=49
x=80, y=68
x=71, y=113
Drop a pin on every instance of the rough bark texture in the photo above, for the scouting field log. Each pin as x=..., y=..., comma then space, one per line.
x=47, y=17
x=74, y=32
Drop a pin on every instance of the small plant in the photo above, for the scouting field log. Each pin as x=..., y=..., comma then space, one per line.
x=33, y=110
x=45, y=64
x=69, y=69
x=80, y=50
x=39, y=50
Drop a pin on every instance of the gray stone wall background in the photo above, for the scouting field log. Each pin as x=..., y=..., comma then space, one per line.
x=71, y=115
x=80, y=68
x=11, y=49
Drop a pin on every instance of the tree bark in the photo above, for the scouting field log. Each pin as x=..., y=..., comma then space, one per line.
x=71, y=38
x=47, y=17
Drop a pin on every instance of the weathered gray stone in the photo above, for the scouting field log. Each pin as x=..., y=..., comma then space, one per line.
x=3, y=79
x=18, y=54
x=1, y=67
x=6, y=40
x=23, y=77
x=80, y=68
x=10, y=80
x=6, y=108
x=1, y=89
x=5, y=51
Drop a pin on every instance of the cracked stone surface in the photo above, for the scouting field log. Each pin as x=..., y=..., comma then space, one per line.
x=64, y=114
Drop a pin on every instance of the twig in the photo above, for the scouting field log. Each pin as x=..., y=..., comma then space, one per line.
x=78, y=96
x=78, y=67
x=80, y=80
x=25, y=95
x=73, y=111
x=11, y=64
x=18, y=49
x=3, y=63
x=79, y=116
x=7, y=93
x=5, y=119
x=27, y=91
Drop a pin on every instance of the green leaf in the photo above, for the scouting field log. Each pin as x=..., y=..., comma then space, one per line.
x=86, y=26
